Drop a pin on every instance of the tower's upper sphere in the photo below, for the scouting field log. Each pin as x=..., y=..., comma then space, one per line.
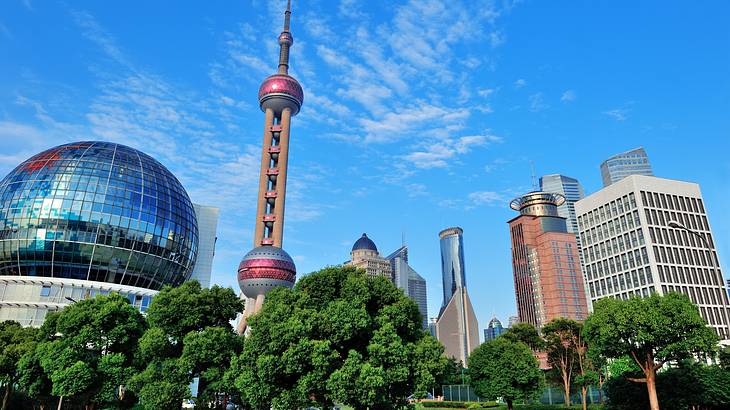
x=97, y=211
x=264, y=268
x=281, y=91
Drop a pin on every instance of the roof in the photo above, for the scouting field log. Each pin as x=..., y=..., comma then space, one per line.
x=364, y=243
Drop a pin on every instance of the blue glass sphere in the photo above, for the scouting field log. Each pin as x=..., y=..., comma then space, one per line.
x=97, y=211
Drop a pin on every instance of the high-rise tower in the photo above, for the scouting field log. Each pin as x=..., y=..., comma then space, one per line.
x=267, y=265
x=456, y=327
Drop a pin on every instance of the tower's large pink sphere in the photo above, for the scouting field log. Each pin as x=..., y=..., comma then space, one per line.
x=281, y=91
x=264, y=268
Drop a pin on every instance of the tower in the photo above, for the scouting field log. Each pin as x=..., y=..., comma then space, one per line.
x=267, y=265
x=456, y=327
x=547, y=274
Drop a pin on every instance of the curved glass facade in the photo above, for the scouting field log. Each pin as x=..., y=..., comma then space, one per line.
x=452, y=263
x=97, y=211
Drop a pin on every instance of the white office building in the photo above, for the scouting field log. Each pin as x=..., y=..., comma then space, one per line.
x=630, y=249
x=207, y=217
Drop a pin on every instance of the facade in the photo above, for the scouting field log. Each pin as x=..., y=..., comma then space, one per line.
x=408, y=280
x=619, y=166
x=632, y=249
x=493, y=330
x=513, y=320
x=545, y=262
x=267, y=265
x=573, y=192
x=90, y=218
x=365, y=255
x=207, y=217
x=456, y=327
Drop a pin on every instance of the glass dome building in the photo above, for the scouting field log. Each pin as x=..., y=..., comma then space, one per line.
x=86, y=218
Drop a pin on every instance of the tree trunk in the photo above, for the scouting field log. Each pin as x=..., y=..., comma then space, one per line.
x=566, y=390
x=509, y=404
x=60, y=402
x=583, y=396
x=6, y=396
x=651, y=388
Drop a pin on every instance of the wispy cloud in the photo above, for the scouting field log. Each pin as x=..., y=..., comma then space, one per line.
x=618, y=114
x=436, y=155
x=568, y=96
x=520, y=83
x=537, y=102
x=486, y=198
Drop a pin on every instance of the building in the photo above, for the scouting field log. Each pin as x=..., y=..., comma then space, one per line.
x=90, y=218
x=619, y=166
x=365, y=255
x=547, y=274
x=408, y=280
x=493, y=330
x=267, y=265
x=633, y=247
x=513, y=320
x=456, y=327
x=207, y=217
x=571, y=190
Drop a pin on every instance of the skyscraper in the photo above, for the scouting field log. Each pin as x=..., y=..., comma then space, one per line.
x=635, y=243
x=547, y=275
x=408, y=280
x=493, y=330
x=207, y=225
x=569, y=188
x=619, y=166
x=267, y=265
x=456, y=327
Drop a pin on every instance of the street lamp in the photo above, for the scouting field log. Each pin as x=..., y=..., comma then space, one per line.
x=70, y=299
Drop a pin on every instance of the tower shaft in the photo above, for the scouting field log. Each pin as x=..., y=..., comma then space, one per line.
x=272, y=181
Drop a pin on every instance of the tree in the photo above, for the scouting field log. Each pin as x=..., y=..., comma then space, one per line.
x=190, y=335
x=724, y=357
x=338, y=336
x=525, y=333
x=15, y=341
x=33, y=381
x=506, y=369
x=89, y=350
x=652, y=330
x=561, y=336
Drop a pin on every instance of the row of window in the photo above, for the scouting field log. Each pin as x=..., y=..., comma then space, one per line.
x=614, y=246
x=608, y=211
x=672, y=202
x=683, y=274
x=662, y=218
x=620, y=282
x=614, y=264
x=683, y=256
x=611, y=228
x=664, y=236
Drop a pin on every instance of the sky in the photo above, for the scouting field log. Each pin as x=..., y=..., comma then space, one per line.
x=418, y=114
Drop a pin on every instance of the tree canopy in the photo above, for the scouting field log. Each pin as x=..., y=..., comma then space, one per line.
x=190, y=335
x=651, y=330
x=525, y=333
x=15, y=341
x=338, y=336
x=504, y=368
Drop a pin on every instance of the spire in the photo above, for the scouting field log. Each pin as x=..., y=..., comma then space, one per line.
x=285, y=41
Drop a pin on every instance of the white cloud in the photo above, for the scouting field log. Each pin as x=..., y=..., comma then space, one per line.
x=568, y=96
x=618, y=114
x=488, y=198
x=537, y=102
x=437, y=154
x=520, y=83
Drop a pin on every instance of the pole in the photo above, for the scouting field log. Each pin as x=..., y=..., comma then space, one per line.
x=60, y=402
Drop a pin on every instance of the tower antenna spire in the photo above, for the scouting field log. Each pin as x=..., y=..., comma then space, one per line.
x=285, y=41
x=533, y=176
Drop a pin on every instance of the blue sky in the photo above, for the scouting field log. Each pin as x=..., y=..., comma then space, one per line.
x=418, y=115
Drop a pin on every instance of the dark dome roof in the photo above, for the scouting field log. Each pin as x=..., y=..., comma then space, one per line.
x=364, y=243
x=494, y=323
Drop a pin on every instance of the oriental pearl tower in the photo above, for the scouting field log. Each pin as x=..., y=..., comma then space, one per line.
x=267, y=265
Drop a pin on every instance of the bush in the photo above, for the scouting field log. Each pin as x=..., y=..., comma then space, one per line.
x=458, y=405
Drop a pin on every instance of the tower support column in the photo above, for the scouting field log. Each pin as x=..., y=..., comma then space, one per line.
x=278, y=233
x=263, y=178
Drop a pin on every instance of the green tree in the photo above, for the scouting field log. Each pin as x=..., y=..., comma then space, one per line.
x=33, y=380
x=525, y=333
x=15, y=341
x=724, y=357
x=338, y=336
x=190, y=336
x=89, y=350
x=506, y=369
x=651, y=330
x=561, y=344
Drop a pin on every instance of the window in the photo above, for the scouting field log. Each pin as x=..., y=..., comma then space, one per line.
x=46, y=290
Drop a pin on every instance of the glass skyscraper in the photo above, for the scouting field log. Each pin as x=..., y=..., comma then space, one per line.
x=207, y=225
x=452, y=262
x=493, y=330
x=619, y=166
x=409, y=281
x=573, y=192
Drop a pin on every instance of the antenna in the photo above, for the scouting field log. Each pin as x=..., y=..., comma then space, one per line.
x=533, y=176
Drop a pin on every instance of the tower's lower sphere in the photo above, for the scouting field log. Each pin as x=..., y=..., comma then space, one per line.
x=264, y=268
